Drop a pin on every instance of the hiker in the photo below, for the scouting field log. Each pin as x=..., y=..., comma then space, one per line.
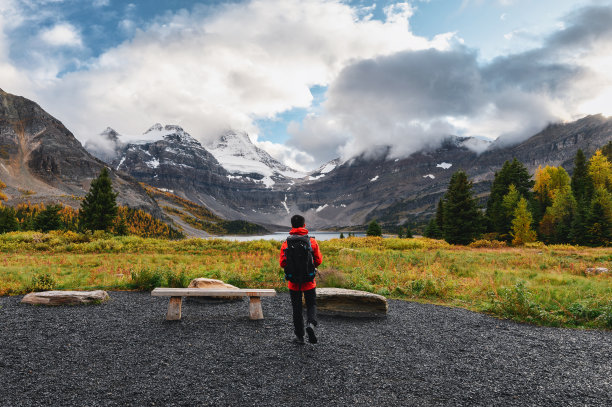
x=300, y=256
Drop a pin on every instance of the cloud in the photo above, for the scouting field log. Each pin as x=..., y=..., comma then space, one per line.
x=209, y=69
x=63, y=34
x=411, y=100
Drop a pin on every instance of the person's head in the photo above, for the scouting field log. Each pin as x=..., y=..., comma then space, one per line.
x=298, y=221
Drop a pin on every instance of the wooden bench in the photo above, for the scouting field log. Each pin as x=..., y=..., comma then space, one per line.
x=176, y=298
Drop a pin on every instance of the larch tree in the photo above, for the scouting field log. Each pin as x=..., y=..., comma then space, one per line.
x=521, y=224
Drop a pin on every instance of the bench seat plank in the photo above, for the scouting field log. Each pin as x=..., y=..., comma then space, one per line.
x=202, y=292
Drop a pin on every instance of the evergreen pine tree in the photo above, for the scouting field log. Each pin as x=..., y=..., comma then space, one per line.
x=8, y=219
x=48, y=219
x=341, y=235
x=408, y=232
x=511, y=173
x=521, y=224
x=99, y=208
x=582, y=186
x=607, y=151
x=400, y=232
x=440, y=218
x=374, y=229
x=432, y=231
x=462, y=217
x=599, y=221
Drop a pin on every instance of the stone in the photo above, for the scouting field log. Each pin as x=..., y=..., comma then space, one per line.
x=594, y=271
x=350, y=303
x=212, y=284
x=65, y=297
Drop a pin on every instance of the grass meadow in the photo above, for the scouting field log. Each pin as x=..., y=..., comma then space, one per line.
x=545, y=285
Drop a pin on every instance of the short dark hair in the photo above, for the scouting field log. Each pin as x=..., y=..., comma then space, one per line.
x=298, y=221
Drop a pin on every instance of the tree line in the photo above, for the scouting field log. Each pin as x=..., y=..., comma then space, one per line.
x=98, y=211
x=550, y=207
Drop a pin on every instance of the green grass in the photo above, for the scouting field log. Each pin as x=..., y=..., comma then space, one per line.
x=541, y=285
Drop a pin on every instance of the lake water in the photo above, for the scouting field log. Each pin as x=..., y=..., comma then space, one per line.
x=280, y=236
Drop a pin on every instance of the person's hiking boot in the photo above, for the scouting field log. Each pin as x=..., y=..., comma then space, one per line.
x=312, y=338
x=298, y=340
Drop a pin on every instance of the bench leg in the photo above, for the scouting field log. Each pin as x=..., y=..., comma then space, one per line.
x=255, y=311
x=174, y=309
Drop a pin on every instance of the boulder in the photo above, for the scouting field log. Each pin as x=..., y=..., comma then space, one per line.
x=66, y=297
x=350, y=303
x=212, y=284
x=593, y=271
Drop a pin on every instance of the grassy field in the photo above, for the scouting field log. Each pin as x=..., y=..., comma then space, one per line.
x=544, y=285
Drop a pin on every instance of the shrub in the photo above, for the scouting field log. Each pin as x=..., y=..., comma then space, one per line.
x=490, y=244
x=516, y=303
x=147, y=279
x=43, y=282
x=330, y=277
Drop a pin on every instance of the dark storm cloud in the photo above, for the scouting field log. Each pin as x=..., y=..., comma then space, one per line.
x=421, y=84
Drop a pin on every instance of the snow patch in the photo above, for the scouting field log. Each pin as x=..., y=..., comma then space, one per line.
x=120, y=162
x=311, y=178
x=429, y=176
x=343, y=205
x=154, y=163
x=374, y=179
x=284, y=203
x=327, y=168
x=166, y=190
x=446, y=166
x=320, y=208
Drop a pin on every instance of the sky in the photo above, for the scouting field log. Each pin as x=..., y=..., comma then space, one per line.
x=312, y=80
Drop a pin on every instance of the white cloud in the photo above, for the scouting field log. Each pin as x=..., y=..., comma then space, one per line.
x=209, y=72
x=63, y=34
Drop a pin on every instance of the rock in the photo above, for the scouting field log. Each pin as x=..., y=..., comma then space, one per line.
x=212, y=284
x=594, y=271
x=65, y=297
x=350, y=303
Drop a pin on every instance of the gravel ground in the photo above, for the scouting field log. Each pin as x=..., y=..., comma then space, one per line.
x=125, y=353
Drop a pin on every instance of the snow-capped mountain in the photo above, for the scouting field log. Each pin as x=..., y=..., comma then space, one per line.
x=238, y=155
x=238, y=180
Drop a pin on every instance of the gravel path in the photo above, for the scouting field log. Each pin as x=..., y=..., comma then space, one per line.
x=125, y=353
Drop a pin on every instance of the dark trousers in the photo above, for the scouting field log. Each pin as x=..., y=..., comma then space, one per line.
x=311, y=309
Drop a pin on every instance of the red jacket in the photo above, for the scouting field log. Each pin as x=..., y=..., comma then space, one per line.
x=316, y=255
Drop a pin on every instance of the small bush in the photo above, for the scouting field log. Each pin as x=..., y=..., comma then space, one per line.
x=43, y=282
x=489, y=244
x=147, y=279
x=331, y=278
x=517, y=303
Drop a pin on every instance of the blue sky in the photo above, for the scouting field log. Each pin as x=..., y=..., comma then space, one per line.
x=312, y=79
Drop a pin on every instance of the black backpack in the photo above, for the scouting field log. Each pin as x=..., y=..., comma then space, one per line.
x=299, y=267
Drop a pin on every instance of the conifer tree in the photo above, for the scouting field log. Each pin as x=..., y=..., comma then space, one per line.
x=400, y=232
x=511, y=173
x=8, y=219
x=600, y=171
x=408, y=232
x=582, y=186
x=374, y=229
x=607, y=151
x=440, y=217
x=432, y=231
x=462, y=217
x=521, y=224
x=341, y=235
x=48, y=219
x=599, y=221
x=99, y=208
x=582, y=189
